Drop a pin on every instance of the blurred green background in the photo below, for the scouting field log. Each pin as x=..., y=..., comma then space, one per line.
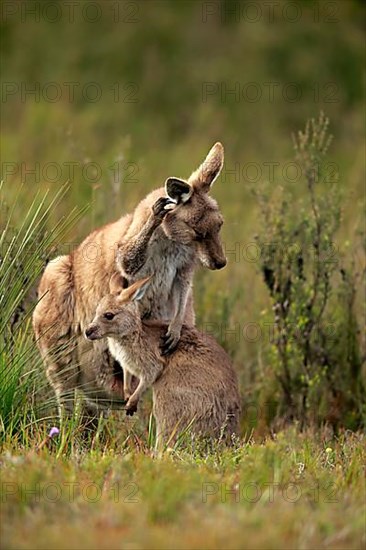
x=117, y=96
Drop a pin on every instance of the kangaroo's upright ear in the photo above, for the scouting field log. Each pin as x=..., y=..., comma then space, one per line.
x=117, y=283
x=178, y=190
x=136, y=291
x=206, y=174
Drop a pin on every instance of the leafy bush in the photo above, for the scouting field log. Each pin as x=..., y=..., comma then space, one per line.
x=314, y=351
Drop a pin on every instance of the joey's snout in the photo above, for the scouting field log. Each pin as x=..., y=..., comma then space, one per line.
x=92, y=332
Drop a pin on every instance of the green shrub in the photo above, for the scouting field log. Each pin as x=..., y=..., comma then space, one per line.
x=314, y=351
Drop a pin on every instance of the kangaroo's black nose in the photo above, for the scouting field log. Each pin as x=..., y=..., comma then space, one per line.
x=89, y=331
x=219, y=264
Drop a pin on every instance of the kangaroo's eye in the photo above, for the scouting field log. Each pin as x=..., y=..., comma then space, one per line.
x=109, y=316
x=199, y=236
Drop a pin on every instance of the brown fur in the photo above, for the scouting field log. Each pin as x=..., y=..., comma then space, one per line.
x=194, y=387
x=167, y=244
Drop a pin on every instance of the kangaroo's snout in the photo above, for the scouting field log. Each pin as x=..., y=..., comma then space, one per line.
x=220, y=264
x=91, y=333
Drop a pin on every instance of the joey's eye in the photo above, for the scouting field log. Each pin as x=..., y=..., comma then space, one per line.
x=109, y=316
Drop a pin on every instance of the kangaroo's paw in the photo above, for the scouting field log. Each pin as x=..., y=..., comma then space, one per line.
x=127, y=395
x=170, y=341
x=161, y=207
x=131, y=407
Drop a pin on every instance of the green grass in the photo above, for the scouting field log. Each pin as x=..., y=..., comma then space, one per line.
x=290, y=491
x=25, y=247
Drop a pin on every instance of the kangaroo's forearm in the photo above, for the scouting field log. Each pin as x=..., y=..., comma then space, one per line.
x=182, y=303
x=146, y=380
x=182, y=288
x=132, y=254
x=181, y=292
x=141, y=388
x=127, y=383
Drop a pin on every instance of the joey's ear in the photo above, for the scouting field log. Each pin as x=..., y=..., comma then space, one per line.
x=117, y=283
x=136, y=291
x=178, y=190
x=211, y=167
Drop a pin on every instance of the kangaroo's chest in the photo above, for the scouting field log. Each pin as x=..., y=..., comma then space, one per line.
x=165, y=259
x=123, y=357
x=164, y=252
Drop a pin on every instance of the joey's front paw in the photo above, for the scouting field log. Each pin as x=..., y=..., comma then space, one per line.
x=170, y=341
x=161, y=207
x=131, y=407
x=127, y=395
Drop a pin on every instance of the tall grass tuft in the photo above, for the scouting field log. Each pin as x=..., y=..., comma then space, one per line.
x=25, y=248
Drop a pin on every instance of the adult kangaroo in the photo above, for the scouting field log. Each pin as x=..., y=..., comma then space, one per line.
x=171, y=231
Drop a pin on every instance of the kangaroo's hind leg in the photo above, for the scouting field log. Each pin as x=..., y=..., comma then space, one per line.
x=53, y=323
